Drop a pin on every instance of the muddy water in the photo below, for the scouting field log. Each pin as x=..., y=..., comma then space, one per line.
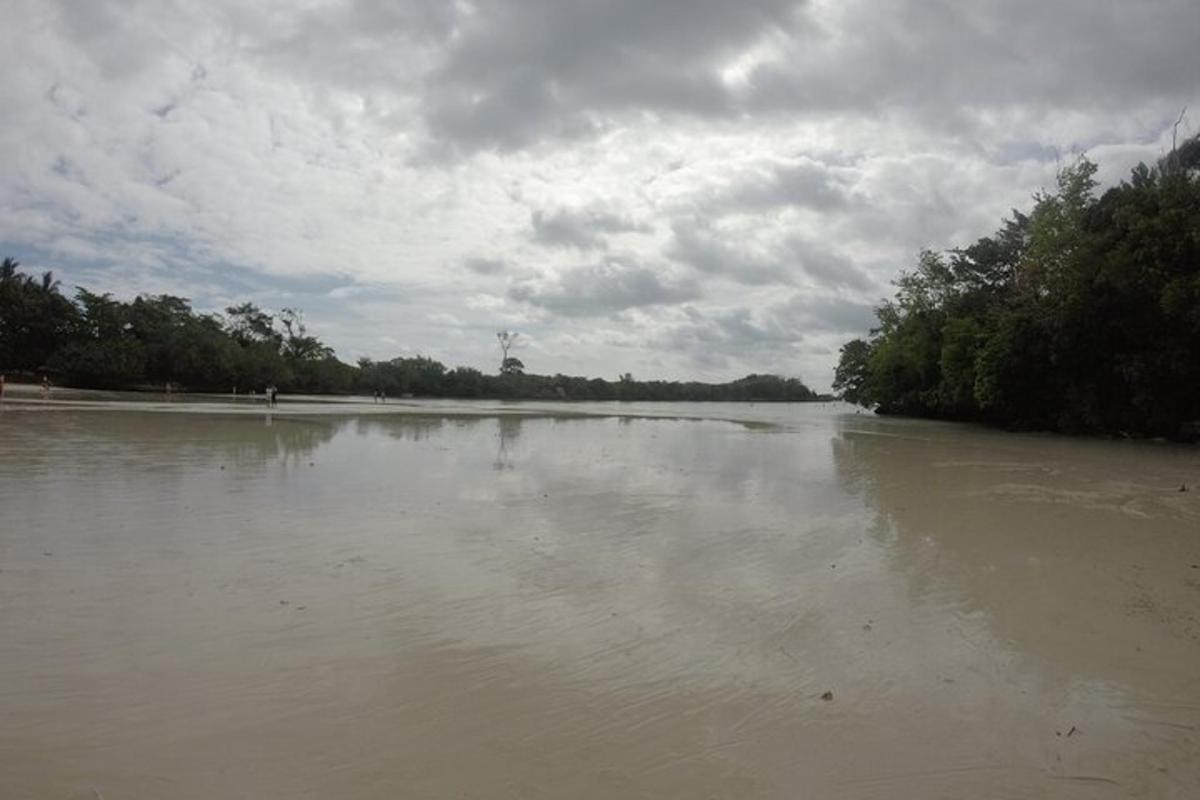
x=210, y=606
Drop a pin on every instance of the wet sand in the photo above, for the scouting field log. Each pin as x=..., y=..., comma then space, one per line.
x=437, y=602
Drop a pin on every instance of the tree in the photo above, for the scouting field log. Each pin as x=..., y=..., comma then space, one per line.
x=852, y=375
x=512, y=366
x=1081, y=316
x=35, y=319
x=249, y=324
x=297, y=344
x=508, y=340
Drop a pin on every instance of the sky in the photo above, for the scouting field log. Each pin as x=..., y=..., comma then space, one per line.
x=687, y=189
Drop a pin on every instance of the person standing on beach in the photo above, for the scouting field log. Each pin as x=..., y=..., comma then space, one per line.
x=1, y=387
x=45, y=387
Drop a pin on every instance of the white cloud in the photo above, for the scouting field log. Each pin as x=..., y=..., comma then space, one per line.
x=691, y=188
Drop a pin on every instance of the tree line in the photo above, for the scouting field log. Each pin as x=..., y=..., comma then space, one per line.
x=97, y=341
x=1080, y=316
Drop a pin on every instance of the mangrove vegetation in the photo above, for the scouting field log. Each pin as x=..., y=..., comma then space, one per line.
x=98, y=341
x=1081, y=315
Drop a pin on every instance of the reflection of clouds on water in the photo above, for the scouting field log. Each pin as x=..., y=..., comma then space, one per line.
x=1033, y=537
x=1016, y=525
x=83, y=441
x=678, y=527
x=616, y=579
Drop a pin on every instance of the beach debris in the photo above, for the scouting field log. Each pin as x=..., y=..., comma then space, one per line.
x=1183, y=487
x=284, y=602
x=827, y=696
x=1072, y=731
x=47, y=553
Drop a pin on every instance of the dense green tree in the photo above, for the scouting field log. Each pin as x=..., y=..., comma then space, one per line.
x=35, y=319
x=249, y=324
x=152, y=340
x=1083, y=315
x=852, y=373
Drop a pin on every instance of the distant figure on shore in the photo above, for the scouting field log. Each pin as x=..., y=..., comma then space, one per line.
x=45, y=387
x=271, y=393
x=383, y=396
x=1, y=387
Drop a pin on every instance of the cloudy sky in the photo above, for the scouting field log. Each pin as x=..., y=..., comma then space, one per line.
x=679, y=188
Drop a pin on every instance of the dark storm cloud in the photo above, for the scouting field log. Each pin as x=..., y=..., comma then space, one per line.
x=584, y=229
x=357, y=44
x=805, y=184
x=718, y=338
x=485, y=266
x=603, y=288
x=511, y=73
x=783, y=158
x=825, y=267
x=778, y=332
x=696, y=245
x=828, y=314
x=725, y=256
x=521, y=71
x=953, y=59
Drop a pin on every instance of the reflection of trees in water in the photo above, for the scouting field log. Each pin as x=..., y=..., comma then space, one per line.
x=156, y=440
x=414, y=429
x=1011, y=528
x=411, y=428
x=508, y=431
x=294, y=437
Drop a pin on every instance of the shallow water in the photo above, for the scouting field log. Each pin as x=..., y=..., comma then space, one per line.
x=404, y=604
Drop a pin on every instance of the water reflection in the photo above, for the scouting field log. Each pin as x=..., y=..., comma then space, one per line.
x=1069, y=556
x=588, y=608
x=83, y=441
x=508, y=430
x=1042, y=536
